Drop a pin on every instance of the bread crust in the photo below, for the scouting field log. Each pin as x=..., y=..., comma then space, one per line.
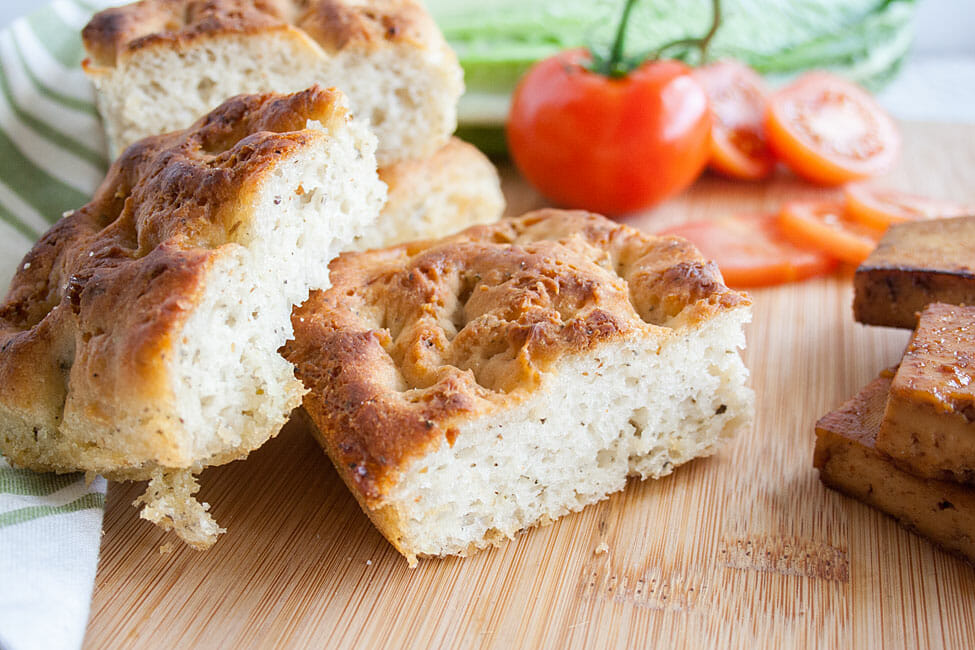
x=412, y=340
x=88, y=323
x=332, y=25
x=454, y=188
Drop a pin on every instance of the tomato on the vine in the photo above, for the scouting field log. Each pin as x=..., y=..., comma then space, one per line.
x=611, y=145
x=611, y=134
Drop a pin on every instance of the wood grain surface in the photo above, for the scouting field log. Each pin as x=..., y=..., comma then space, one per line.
x=744, y=549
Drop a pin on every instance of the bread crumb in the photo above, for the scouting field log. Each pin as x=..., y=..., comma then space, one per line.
x=166, y=548
x=602, y=548
x=368, y=562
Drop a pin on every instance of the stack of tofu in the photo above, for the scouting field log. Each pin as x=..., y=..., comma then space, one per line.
x=905, y=444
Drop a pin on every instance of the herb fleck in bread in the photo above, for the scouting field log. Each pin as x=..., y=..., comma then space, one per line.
x=474, y=386
x=157, y=65
x=139, y=338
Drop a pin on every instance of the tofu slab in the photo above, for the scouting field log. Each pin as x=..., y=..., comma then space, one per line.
x=848, y=461
x=915, y=264
x=929, y=424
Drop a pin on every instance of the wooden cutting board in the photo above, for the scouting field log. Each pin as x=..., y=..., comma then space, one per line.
x=744, y=549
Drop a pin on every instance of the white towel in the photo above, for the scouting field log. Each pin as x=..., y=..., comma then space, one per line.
x=50, y=530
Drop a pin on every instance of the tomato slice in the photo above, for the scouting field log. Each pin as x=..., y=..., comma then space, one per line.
x=738, y=98
x=830, y=131
x=878, y=208
x=823, y=225
x=751, y=250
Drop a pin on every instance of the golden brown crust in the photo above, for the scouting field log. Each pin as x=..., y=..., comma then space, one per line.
x=916, y=263
x=455, y=155
x=453, y=189
x=413, y=339
x=86, y=326
x=333, y=24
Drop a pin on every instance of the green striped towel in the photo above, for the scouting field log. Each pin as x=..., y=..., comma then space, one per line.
x=50, y=529
x=52, y=147
x=52, y=156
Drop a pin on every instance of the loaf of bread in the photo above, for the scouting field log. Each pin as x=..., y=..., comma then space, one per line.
x=454, y=188
x=157, y=65
x=139, y=338
x=471, y=387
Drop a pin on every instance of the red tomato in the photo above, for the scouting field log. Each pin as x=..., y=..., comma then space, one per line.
x=738, y=100
x=878, y=208
x=830, y=131
x=751, y=250
x=824, y=226
x=610, y=145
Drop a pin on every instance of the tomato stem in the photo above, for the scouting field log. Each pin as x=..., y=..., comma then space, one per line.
x=613, y=67
x=715, y=23
x=618, y=65
x=702, y=43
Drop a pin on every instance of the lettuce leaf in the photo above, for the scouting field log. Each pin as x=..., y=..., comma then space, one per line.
x=498, y=40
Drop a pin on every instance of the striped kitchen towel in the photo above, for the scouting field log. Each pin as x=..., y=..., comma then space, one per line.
x=52, y=156
x=50, y=528
x=52, y=147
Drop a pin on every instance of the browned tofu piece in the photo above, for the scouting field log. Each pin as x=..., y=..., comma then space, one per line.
x=929, y=426
x=915, y=264
x=849, y=462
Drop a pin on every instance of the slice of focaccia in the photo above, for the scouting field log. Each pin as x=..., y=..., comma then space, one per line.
x=454, y=188
x=474, y=386
x=157, y=65
x=139, y=337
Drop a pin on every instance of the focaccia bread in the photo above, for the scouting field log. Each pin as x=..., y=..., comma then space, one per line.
x=454, y=188
x=471, y=387
x=848, y=460
x=157, y=65
x=139, y=336
x=929, y=423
